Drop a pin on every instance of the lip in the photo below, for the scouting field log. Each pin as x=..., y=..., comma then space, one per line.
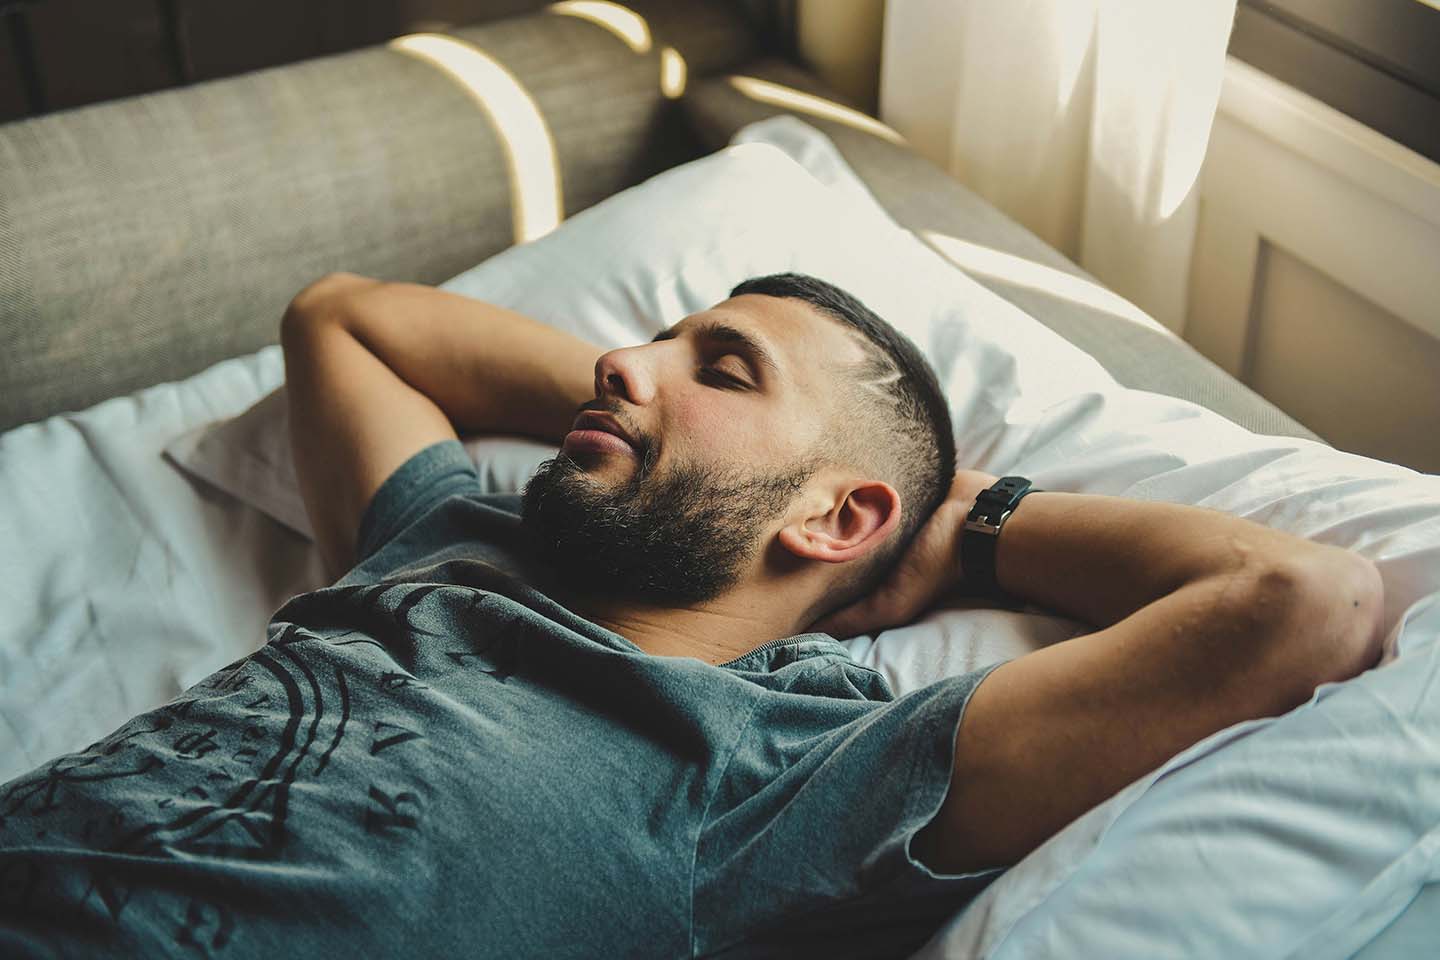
x=596, y=440
x=599, y=422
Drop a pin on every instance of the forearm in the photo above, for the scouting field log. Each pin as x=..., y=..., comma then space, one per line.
x=490, y=369
x=1099, y=559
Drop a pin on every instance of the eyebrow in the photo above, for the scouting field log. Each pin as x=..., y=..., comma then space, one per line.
x=718, y=331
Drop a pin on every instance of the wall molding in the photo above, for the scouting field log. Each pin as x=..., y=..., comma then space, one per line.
x=1289, y=177
x=1339, y=143
x=1286, y=169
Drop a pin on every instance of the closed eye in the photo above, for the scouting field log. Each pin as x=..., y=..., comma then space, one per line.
x=743, y=347
x=730, y=382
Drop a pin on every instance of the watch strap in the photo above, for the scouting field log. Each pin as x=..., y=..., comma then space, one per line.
x=982, y=531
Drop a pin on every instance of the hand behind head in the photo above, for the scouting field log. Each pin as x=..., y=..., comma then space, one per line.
x=929, y=568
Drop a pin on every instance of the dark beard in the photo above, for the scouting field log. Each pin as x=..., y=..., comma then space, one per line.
x=669, y=541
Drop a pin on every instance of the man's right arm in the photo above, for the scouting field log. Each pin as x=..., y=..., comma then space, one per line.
x=377, y=371
x=1207, y=620
x=488, y=368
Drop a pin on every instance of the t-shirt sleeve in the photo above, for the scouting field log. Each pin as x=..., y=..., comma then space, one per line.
x=416, y=487
x=815, y=852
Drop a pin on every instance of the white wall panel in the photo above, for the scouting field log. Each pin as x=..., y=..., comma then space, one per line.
x=1316, y=274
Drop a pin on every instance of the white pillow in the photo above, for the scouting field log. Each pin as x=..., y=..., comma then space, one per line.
x=1025, y=401
x=249, y=456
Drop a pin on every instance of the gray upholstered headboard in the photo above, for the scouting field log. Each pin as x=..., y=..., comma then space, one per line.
x=145, y=239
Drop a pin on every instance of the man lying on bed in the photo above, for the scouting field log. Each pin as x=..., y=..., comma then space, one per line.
x=597, y=721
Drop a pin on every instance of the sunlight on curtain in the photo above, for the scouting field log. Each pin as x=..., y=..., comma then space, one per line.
x=1086, y=120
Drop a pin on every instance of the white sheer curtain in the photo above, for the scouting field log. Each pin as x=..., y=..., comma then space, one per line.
x=1085, y=120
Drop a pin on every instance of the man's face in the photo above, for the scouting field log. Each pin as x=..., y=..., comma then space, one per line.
x=719, y=436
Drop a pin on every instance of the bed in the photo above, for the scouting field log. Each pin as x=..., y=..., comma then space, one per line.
x=151, y=523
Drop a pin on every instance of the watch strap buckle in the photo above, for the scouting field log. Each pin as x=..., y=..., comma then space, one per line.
x=985, y=525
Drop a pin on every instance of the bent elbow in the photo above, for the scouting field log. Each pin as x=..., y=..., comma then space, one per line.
x=326, y=296
x=1329, y=609
x=1364, y=589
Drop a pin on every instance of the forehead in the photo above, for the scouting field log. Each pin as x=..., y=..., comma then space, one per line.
x=796, y=336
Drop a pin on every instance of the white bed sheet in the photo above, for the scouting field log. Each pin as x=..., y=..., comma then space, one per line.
x=125, y=581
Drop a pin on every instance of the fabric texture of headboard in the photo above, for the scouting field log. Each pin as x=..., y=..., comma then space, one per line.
x=144, y=239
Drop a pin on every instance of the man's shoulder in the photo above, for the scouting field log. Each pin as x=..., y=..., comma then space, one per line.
x=508, y=503
x=812, y=663
x=476, y=526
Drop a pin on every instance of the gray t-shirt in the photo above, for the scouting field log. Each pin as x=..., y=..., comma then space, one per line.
x=432, y=756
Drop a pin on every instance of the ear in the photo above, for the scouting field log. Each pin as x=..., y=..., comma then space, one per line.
x=857, y=523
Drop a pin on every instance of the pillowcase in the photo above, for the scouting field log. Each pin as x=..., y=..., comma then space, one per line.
x=249, y=456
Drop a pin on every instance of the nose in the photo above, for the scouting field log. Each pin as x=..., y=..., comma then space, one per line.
x=624, y=373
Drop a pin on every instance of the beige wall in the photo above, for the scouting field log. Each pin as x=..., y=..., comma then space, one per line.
x=1348, y=369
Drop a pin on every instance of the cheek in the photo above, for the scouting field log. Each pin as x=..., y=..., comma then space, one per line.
x=710, y=429
x=700, y=422
x=705, y=426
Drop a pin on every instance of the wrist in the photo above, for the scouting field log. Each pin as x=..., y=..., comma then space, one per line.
x=982, y=532
x=966, y=487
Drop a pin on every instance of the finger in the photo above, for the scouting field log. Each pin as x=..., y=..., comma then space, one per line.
x=897, y=602
x=838, y=624
x=875, y=612
x=849, y=621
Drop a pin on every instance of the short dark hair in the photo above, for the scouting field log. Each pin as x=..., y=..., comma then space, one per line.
x=892, y=421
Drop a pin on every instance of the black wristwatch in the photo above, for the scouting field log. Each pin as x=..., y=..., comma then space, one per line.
x=982, y=530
